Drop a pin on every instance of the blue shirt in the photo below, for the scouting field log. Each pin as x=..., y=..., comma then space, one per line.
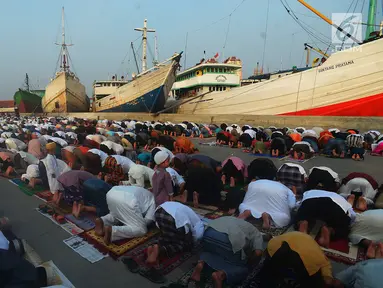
x=366, y=274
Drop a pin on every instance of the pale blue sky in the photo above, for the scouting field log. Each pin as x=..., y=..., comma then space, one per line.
x=103, y=29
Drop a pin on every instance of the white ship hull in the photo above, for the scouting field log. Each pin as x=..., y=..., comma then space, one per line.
x=65, y=94
x=349, y=83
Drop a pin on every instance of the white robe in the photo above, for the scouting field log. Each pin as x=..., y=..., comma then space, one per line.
x=271, y=197
x=132, y=206
x=55, y=167
x=359, y=185
x=368, y=225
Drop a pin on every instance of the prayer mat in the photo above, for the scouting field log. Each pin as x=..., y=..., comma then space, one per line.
x=216, y=214
x=291, y=159
x=118, y=248
x=26, y=189
x=376, y=154
x=251, y=281
x=340, y=250
x=85, y=222
x=273, y=231
x=167, y=265
x=44, y=196
x=354, y=255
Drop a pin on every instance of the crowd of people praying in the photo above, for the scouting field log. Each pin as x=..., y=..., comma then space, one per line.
x=137, y=175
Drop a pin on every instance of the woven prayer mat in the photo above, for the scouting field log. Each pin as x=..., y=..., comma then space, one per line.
x=216, y=214
x=25, y=188
x=354, y=255
x=118, y=248
x=273, y=232
x=44, y=195
x=167, y=265
x=251, y=281
x=340, y=250
x=291, y=159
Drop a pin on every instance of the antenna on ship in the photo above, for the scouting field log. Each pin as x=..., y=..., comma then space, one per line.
x=64, y=47
x=145, y=31
x=26, y=82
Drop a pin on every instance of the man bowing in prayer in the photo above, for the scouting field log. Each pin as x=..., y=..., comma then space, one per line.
x=270, y=200
x=131, y=206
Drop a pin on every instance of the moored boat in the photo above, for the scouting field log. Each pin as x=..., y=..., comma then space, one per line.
x=146, y=92
x=348, y=83
x=28, y=101
x=65, y=93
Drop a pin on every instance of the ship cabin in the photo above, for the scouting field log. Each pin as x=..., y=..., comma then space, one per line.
x=102, y=89
x=206, y=77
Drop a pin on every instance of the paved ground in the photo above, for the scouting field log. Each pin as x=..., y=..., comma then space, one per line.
x=46, y=237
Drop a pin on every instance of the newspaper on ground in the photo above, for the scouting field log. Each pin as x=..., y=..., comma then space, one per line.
x=87, y=251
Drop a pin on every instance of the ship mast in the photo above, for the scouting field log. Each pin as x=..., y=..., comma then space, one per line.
x=371, y=18
x=27, y=82
x=145, y=31
x=64, y=65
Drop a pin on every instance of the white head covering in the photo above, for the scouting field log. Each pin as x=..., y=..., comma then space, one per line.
x=160, y=157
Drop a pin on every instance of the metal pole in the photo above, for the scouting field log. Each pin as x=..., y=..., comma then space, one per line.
x=145, y=31
x=371, y=18
x=312, y=9
x=186, y=46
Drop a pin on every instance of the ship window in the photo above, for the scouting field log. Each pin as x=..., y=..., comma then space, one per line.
x=99, y=104
x=113, y=84
x=224, y=88
x=57, y=105
x=224, y=70
x=220, y=70
x=220, y=88
x=210, y=89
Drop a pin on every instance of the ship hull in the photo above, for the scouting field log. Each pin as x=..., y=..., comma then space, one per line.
x=27, y=102
x=349, y=83
x=65, y=94
x=147, y=93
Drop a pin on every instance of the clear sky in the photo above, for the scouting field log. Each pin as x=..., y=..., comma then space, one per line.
x=101, y=31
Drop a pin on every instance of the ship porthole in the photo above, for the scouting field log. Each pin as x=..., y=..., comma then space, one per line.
x=199, y=73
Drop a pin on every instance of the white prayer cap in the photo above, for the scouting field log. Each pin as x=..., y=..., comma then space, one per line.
x=160, y=157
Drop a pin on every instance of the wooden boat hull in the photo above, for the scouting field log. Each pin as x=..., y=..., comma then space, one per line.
x=65, y=94
x=349, y=83
x=148, y=93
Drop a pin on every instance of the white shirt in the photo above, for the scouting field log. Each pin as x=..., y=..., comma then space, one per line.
x=329, y=170
x=125, y=162
x=60, y=133
x=29, y=158
x=301, y=169
x=13, y=143
x=100, y=153
x=59, y=141
x=4, y=243
x=185, y=217
x=114, y=146
x=336, y=198
x=271, y=197
x=177, y=179
x=251, y=132
x=138, y=174
x=359, y=185
x=132, y=205
x=72, y=135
